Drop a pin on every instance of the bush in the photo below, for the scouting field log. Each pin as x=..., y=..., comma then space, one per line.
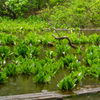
x=74, y=14
x=12, y=8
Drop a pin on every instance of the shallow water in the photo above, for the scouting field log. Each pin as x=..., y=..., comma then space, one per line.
x=86, y=33
x=23, y=84
x=94, y=96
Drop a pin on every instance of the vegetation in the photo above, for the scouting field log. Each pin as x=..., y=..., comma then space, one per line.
x=4, y=52
x=3, y=77
x=11, y=69
x=62, y=50
x=92, y=55
x=22, y=25
x=24, y=50
x=7, y=39
x=73, y=13
x=22, y=39
x=58, y=13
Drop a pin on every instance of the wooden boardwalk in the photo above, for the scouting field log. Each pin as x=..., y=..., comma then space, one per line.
x=48, y=95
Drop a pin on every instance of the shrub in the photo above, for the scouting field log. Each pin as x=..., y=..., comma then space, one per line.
x=73, y=13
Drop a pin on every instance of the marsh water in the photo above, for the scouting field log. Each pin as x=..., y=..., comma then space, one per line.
x=24, y=84
x=93, y=96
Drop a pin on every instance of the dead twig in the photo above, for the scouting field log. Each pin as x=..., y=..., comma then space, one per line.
x=65, y=37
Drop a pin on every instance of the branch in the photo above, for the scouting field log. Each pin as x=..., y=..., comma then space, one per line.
x=65, y=37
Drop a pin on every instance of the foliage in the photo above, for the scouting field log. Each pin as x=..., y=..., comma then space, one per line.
x=11, y=69
x=22, y=25
x=74, y=65
x=94, y=39
x=3, y=77
x=4, y=52
x=67, y=83
x=55, y=2
x=45, y=70
x=24, y=50
x=42, y=78
x=83, y=38
x=62, y=50
x=69, y=59
x=33, y=51
x=59, y=13
x=84, y=70
x=2, y=62
x=78, y=75
x=12, y=8
x=95, y=70
x=7, y=39
x=21, y=49
x=71, y=62
x=25, y=65
x=73, y=13
x=50, y=54
x=29, y=39
x=78, y=51
x=70, y=82
x=74, y=38
x=92, y=55
x=45, y=38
